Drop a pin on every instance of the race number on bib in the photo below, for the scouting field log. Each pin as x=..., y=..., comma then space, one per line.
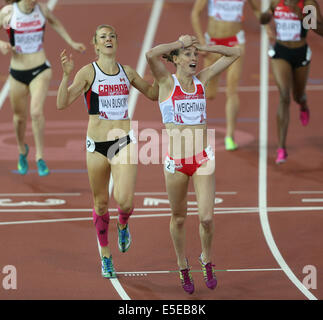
x=288, y=30
x=113, y=101
x=227, y=10
x=169, y=165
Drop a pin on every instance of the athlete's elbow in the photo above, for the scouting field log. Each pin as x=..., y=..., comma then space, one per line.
x=149, y=55
x=60, y=105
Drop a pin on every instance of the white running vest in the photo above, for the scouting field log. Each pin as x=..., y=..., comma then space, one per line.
x=26, y=31
x=108, y=95
x=226, y=10
x=288, y=24
x=184, y=108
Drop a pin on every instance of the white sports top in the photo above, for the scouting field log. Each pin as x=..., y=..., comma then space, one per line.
x=288, y=24
x=108, y=94
x=184, y=108
x=26, y=31
x=226, y=10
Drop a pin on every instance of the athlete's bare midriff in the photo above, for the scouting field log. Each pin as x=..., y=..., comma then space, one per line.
x=293, y=44
x=186, y=140
x=24, y=61
x=107, y=130
x=223, y=29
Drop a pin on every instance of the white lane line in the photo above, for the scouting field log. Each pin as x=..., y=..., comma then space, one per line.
x=140, y=273
x=189, y=193
x=262, y=178
x=306, y=192
x=216, y=210
x=5, y=89
x=4, y=93
x=193, y=212
x=148, y=42
x=312, y=200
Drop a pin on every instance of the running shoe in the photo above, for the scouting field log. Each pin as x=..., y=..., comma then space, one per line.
x=108, y=268
x=22, y=162
x=187, y=280
x=208, y=274
x=230, y=145
x=124, y=238
x=42, y=168
x=304, y=116
x=281, y=155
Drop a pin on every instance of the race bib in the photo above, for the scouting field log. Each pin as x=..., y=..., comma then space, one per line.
x=113, y=101
x=288, y=30
x=190, y=111
x=29, y=42
x=90, y=145
x=227, y=10
x=169, y=165
x=210, y=153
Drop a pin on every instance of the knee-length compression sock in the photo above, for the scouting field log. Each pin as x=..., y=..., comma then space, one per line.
x=101, y=224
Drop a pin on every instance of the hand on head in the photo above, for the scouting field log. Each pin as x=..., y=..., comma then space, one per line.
x=188, y=40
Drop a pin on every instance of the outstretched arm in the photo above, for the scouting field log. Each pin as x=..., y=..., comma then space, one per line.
x=255, y=8
x=68, y=94
x=60, y=29
x=149, y=90
x=230, y=54
x=5, y=14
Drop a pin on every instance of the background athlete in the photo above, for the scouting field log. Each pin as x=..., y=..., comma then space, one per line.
x=290, y=61
x=30, y=72
x=224, y=27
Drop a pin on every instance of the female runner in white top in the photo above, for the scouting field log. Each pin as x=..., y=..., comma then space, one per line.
x=30, y=72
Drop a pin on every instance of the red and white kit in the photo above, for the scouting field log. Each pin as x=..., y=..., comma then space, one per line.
x=226, y=10
x=288, y=24
x=108, y=95
x=230, y=11
x=26, y=31
x=184, y=108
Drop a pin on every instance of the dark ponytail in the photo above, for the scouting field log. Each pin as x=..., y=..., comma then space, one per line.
x=170, y=56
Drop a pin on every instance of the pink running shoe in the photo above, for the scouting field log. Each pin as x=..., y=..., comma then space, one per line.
x=281, y=155
x=209, y=274
x=187, y=280
x=304, y=116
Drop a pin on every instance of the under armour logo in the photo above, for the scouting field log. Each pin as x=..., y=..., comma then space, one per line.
x=122, y=80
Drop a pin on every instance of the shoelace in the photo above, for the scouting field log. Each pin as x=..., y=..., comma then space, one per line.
x=42, y=165
x=107, y=265
x=186, y=276
x=209, y=271
x=123, y=235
